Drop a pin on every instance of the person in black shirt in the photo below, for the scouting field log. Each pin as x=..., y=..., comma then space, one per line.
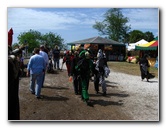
x=144, y=65
x=75, y=74
x=56, y=57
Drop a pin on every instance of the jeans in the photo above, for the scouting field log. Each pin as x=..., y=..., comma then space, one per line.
x=99, y=79
x=96, y=82
x=56, y=62
x=77, y=84
x=103, y=84
x=43, y=79
x=36, y=79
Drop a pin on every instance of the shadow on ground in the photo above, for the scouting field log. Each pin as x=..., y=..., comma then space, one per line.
x=54, y=98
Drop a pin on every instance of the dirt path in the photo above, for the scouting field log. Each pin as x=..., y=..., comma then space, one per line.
x=123, y=102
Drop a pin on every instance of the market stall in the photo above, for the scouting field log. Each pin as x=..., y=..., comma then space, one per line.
x=131, y=46
x=114, y=50
x=150, y=48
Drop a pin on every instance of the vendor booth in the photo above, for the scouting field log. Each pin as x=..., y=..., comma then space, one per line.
x=114, y=50
x=150, y=48
x=131, y=46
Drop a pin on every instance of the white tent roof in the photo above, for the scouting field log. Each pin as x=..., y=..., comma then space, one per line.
x=141, y=42
x=132, y=45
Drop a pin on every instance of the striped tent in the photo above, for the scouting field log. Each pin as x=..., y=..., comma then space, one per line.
x=152, y=45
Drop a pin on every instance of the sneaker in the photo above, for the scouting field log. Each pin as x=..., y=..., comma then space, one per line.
x=32, y=92
x=88, y=103
x=38, y=97
x=104, y=94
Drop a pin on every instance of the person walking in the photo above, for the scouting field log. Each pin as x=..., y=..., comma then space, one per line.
x=96, y=76
x=74, y=74
x=45, y=56
x=36, y=68
x=56, y=57
x=144, y=65
x=68, y=59
x=99, y=78
x=84, y=67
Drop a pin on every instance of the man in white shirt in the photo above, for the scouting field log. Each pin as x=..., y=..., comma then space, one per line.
x=45, y=56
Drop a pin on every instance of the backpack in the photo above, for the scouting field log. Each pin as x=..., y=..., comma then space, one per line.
x=82, y=66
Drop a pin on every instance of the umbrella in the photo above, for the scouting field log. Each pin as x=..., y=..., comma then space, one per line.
x=10, y=37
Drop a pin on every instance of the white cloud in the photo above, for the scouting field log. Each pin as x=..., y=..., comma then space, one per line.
x=142, y=18
x=25, y=19
x=65, y=20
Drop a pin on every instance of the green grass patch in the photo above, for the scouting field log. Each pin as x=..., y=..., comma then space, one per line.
x=129, y=68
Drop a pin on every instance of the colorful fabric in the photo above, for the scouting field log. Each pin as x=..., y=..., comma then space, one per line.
x=153, y=45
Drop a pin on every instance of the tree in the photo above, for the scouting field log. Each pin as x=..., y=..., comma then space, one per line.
x=149, y=36
x=35, y=39
x=31, y=38
x=135, y=36
x=51, y=39
x=114, y=25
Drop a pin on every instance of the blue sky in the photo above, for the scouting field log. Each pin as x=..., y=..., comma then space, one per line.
x=74, y=24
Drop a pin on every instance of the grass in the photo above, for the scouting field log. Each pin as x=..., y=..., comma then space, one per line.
x=129, y=68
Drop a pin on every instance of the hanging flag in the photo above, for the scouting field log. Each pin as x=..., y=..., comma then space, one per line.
x=10, y=37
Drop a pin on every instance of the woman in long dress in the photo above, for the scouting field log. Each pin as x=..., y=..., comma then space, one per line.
x=144, y=65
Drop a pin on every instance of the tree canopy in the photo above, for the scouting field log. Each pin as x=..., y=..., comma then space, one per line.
x=137, y=35
x=114, y=25
x=34, y=39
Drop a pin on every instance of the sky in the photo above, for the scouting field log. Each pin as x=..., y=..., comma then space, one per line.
x=74, y=24
x=136, y=23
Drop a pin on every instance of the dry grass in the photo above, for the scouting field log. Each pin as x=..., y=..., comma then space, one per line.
x=130, y=68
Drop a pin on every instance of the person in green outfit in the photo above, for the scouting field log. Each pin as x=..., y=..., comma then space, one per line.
x=84, y=67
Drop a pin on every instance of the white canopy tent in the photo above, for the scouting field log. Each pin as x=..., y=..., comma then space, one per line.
x=131, y=46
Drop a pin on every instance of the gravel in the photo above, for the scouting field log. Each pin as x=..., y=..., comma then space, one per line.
x=142, y=98
x=128, y=99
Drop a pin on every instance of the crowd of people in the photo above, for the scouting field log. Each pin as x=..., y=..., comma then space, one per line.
x=81, y=66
